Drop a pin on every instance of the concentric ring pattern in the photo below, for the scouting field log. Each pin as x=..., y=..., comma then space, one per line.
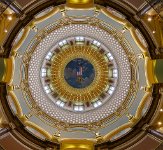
x=112, y=41
x=74, y=94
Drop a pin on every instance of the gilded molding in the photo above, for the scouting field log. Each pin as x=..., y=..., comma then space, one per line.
x=80, y=4
x=8, y=73
x=31, y=25
x=23, y=37
x=76, y=144
x=39, y=129
x=151, y=78
x=16, y=103
x=46, y=16
x=101, y=73
x=127, y=25
x=144, y=100
x=108, y=136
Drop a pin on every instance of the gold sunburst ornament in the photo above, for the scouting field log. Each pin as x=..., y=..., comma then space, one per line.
x=70, y=93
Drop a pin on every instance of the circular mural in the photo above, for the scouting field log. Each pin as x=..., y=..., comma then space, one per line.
x=79, y=73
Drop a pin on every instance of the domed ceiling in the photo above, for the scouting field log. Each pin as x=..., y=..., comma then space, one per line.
x=79, y=74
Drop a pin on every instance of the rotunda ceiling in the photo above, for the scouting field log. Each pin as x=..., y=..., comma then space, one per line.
x=81, y=72
x=110, y=57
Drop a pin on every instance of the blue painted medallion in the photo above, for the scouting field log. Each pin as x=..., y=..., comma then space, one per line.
x=79, y=73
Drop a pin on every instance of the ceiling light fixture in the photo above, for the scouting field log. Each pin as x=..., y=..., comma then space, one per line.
x=154, y=32
x=161, y=110
x=149, y=19
x=9, y=18
x=5, y=30
x=159, y=123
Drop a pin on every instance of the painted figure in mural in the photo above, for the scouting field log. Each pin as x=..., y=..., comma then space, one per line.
x=79, y=73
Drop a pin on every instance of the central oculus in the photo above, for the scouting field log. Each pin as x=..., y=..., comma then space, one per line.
x=79, y=73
